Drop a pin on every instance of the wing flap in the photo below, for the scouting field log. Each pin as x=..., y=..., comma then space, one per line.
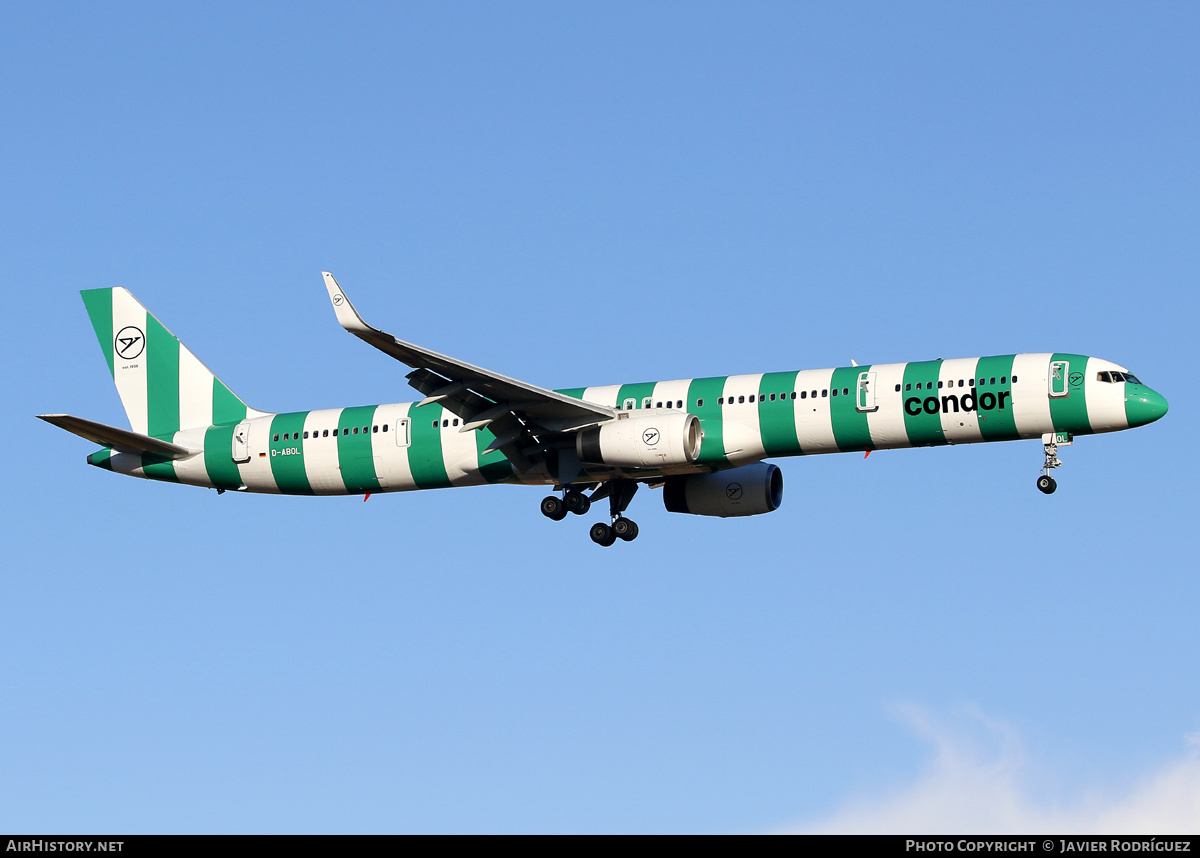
x=553, y=411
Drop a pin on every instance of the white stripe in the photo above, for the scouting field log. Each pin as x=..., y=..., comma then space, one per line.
x=195, y=391
x=321, y=464
x=1030, y=394
x=959, y=427
x=392, y=458
x=739, y=420
x=192, y=471
x=887, y=423
x=460, y=455
x=606, y=395
x=1105, y=400
x=814, y=421
x=130, y=374
x=256, y=474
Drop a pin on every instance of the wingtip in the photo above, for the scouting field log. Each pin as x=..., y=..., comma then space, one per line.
x=347, y=316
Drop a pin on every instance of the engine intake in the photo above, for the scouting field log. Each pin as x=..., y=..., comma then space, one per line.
x=748, y=490
x=659, y=439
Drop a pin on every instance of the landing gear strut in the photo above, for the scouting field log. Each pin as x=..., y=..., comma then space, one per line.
x=1045, y=482
x=620, y=493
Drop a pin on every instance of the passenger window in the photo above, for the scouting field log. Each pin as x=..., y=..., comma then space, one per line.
x=699, y=403
x=961, y=382
x=897, y=388
x=835, y=391
x=939, y=385
x=803, y=394
x=375, y=429
x=435, y=425
x=742, y=399
x=1004, y=379
x=908, y=386
x=721, y=401
x=1014, y=381
x=825, y=393
x=658, y=405
x=355, y=430
x=970, y=382
x=918, y=385
x=385, y=427
x=679, y=403
x=845, y=391
x=814, y=394
x=993, y=381
x=793, y=394
x=276, y=438
x=772, y=397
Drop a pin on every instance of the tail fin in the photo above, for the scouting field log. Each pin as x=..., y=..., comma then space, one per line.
x=162, y=385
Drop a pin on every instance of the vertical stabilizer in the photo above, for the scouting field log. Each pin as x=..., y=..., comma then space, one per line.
x=163, y=386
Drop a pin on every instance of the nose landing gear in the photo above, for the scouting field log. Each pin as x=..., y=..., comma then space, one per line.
x=1045, y=483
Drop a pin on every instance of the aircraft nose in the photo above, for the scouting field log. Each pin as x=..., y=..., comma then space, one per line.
x=1143, y=405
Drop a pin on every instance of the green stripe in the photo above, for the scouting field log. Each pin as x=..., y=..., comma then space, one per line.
x=101, y=459
x=1069, y=412
x=162, y=380
x=287, y=456
x=354, y=449
x=636, y=392
x=159, y=468
x=425, y=452
x=777, y=420
x=99, y=309
x=850, y=430
x=226, y=407
x=573, y=392
x=923, y=429
x=494, y=467
x=709, y=390
x=993, y=402
x=218, y=458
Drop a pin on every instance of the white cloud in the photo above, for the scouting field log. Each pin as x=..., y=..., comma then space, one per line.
x=989, y=786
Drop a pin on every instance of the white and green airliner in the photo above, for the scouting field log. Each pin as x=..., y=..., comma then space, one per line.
x=702, y=440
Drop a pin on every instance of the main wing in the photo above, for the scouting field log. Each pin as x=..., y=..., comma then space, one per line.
x=519, y=414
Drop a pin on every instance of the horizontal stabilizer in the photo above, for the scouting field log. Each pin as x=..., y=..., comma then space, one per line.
x=121, y=440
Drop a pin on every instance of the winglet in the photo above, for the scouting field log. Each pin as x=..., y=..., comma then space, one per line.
x=347, y=316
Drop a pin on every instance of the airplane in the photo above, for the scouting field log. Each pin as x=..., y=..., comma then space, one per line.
x=703, y=441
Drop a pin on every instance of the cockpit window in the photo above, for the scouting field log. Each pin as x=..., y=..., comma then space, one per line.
x=1116, y=377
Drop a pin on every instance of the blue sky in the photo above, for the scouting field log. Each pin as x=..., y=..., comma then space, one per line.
x=587, y=195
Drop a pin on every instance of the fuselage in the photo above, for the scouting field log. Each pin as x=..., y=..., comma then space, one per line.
x=745, y=418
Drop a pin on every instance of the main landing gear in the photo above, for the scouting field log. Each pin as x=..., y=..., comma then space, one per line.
x=1045, y=482
x=619, y=493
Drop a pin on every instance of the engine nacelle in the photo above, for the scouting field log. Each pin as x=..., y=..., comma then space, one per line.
x=658, y=439
x=748, y=490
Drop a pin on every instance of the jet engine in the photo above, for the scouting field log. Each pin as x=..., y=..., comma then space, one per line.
x=653, y=440
x=748, y=490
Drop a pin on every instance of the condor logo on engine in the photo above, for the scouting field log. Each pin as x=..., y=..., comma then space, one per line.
x=650, y=437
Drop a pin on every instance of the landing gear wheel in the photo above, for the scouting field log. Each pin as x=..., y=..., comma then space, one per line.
x=625, y=528
x=553, y=508
x=602, y=534
x=1046, y=484
x=577, y=502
